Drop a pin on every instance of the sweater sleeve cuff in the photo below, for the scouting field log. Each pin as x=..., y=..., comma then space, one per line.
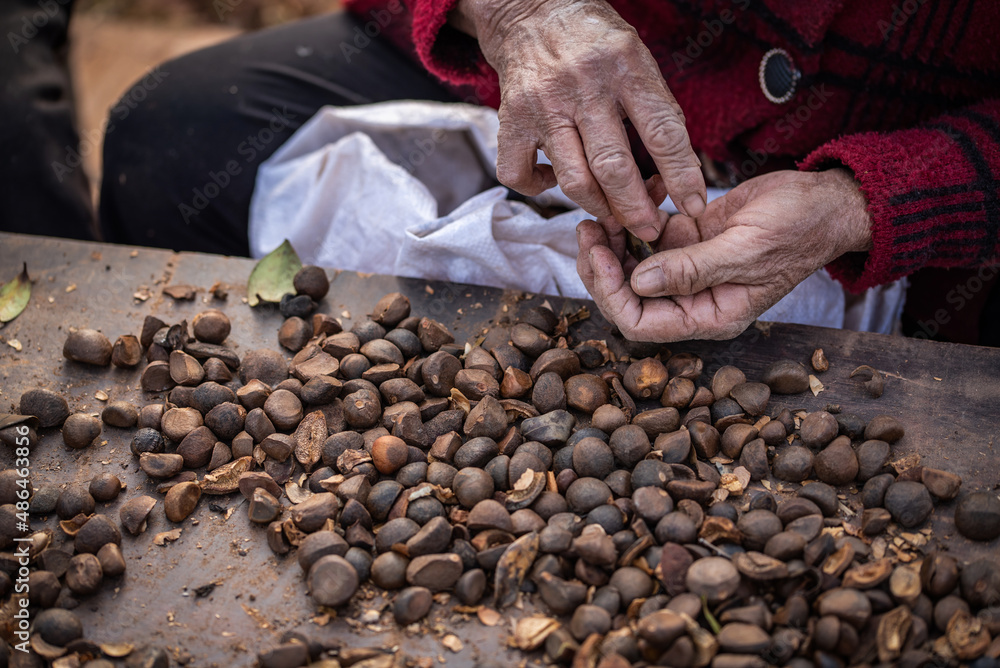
x=447, y=53
x=923, y=200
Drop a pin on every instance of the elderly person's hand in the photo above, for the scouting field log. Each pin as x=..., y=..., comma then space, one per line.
x=715, y=274
x=570, y=72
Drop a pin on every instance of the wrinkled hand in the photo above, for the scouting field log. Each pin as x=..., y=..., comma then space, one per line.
x=570, y=72
x=715, y=274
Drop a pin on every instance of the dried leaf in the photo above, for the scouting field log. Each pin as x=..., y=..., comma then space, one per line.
x=512, y=567
x=272, y=278
x=225, y=479
x=14, y=295
x=167, y=536
x=815, y=385
x=309, y=438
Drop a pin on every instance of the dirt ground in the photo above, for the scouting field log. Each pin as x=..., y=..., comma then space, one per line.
x=113, y=42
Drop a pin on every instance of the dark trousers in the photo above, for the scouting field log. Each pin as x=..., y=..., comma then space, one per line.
x=179, y=164
x=43, y=188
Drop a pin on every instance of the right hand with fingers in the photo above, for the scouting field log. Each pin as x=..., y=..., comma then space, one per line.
x=570, y=72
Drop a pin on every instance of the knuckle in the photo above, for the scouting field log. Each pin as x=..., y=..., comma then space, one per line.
x=668, y=136
x=612, y=167
x=688, y=273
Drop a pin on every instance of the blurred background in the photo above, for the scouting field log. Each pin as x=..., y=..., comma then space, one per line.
x=113, y=42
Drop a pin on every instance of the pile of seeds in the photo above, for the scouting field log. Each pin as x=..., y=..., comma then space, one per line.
x=664, y=517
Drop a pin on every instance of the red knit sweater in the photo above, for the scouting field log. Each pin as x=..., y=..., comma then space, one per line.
x=906, y=93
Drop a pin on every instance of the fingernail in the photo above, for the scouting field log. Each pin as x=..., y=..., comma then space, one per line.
x=694, y=205
x=649, y=281
x=649, y=233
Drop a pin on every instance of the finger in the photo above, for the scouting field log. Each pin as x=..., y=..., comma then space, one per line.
x=680, y=231
x=517, y=163
x=659, y=122
x=610, y=158
x=565, y=149
x=646, y=320
x=691, y=269
x=588, y=234
x=656, y=189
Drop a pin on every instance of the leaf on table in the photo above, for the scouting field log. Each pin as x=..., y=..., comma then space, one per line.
x=14, y=295
x=272, y=278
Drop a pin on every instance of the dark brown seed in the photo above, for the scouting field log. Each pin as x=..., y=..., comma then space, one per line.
x=312, y=281
x=873, y=492
x=58, y=627
x=439, y=371
x=884, y=428
x=705, y=439
x=645, y=379
x=80, y=430
x=294, y=333
x=872, y=458
x=585, y=494
x=226, y=420
x=391, y=309
x=773, y=432
x=476, y=384
x=817, y=429
x=549, y=393
x=752, y=397
x=120, y=414
x=263, y=508
x=411, y=605
x=284, y=409
x=437, y=572
x=849, y=605
x=529, y=339
x=740, y=638
x=472, y=485
x=836, y=464
x=105, y=487
x=786, y=377
x=608, y=418
x=196, y=448
x=515, y=383
x=325, y=324
x=786, y=545
x=977, y=516
x=754, y=459
x=715, y=578
x=725, y=379
x=181, y=501
x=587, y=392
x=50, y=408
x=874, y=521
x=126, y=353
x=161, y=465
x=184, y=369
x=97, y=532
x=389, y=454
x=177, y=423
x=939, y=574
x=678, y=393
x=488, y=419
x=735, y=437
x=134, y=512
x=909, y=502
x=757, y=527
x=84, y=574
x=268, y=366
x=657, y=421
x=332, y=581
x=88, y=346
x=73, y=501
x=560, y=361
x=211, y=326
x=873, y=381
x=312, y=514
x=589, y=620
x=943, y=485
x=433, y=335
x=380, y=351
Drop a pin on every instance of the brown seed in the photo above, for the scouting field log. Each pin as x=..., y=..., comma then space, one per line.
x=264, y=508
x=268, y=366
x=645, y=379
x=179, y=422
x=678, y=393
x=226, y=420
x=332, y=581
x=942, y=484
x=294, y=333
x=211, y=326
x=311, y=514
x=587, y=392
x=849, y=605
x=433, y=335
x=50, y=408
x=909, y=502
x=111, y=559
x=73, y=501
x=786, y=377
x=836, y=464
x=389, y=454
x=391, y=309
x=120, y=414
x=884, y=428
x=80, y=430
x=126, y=353
x=181, y=501
x=84, y=574
x=488, y=419
x=96, y=532
x=161, y=465
x=752, y=397
x=817, y=429
x=196, y=448
x=872, y=457
x=977, y=516
x=874, y=521
x=184, y=369
x=735, y=437
x=105, y=487
x=134, y=512
x=284, y=409
x=437, y=572
x=725, y=379
x=515, y=383
x=564, y=363
x=88, y=346
x=715, y=578
x=968, y=636
x=740, y=638
x=657, y=421
x=549, y=393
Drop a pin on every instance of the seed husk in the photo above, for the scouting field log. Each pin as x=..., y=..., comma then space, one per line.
x=134, y=512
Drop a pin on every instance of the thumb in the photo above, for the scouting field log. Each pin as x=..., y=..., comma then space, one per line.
x=691, y=269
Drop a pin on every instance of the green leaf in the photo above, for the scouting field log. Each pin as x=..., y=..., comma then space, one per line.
x=272, y=278
x=14, y=296
x=709, y=617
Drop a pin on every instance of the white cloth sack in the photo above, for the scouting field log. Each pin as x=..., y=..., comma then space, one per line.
x=409, y=189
